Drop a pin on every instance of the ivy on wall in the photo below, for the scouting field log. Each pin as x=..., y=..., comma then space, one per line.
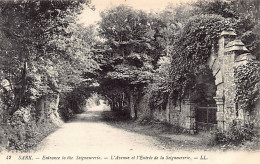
x=193, y=48
x=247, y=79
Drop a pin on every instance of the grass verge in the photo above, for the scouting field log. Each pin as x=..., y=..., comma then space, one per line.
x=170, y=137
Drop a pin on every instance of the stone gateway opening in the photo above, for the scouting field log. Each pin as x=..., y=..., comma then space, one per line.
x=206, y=118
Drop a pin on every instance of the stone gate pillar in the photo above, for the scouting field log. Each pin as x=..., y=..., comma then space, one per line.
x=221, y=67
x=230, y=54
x=223, y=70
x=232, y=50
x=190, y=110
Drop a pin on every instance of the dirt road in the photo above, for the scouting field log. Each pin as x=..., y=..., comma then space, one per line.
x=88, y=136
x=87, y=132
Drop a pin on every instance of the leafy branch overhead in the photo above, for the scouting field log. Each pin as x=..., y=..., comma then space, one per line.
x=38, y=38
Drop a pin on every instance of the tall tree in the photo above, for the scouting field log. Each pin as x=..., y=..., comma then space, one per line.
x=131, y=39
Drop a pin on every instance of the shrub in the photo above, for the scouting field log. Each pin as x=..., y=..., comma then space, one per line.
x=22, y=131
x=236, y=136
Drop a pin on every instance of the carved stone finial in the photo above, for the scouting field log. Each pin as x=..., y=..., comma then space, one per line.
x=228, y=32
x=236, y=45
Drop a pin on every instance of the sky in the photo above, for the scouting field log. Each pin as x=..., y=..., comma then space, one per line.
x=90, y=17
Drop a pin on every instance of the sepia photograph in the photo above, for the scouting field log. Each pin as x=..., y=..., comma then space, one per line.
x=129, y=81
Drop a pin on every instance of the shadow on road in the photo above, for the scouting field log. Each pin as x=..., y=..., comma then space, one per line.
x=88, y=116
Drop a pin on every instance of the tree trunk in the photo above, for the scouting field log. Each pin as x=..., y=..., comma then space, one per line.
x=123, y=99
x=19, y=96
x=132, y=110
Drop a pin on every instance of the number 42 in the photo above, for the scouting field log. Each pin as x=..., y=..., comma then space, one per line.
x=8, y=157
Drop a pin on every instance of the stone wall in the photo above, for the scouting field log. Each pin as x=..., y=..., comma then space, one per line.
x=180, y=114
x=183, y=115
x=225, y=56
